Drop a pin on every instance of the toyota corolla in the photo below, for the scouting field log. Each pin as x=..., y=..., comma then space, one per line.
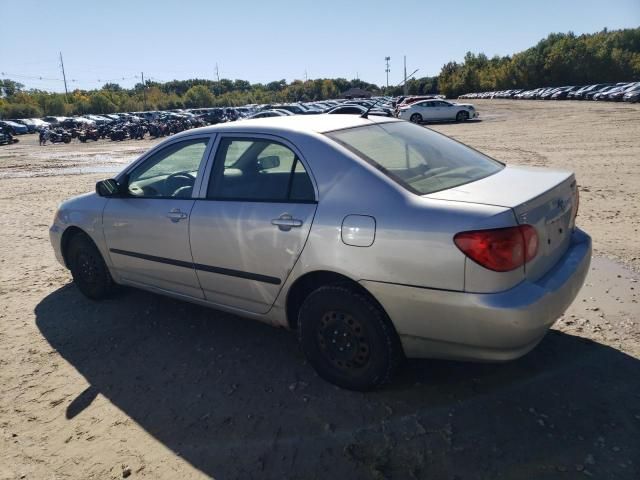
x=375, y=239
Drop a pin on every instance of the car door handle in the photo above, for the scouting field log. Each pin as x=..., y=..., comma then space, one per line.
x=176, y=215
x=286, y=222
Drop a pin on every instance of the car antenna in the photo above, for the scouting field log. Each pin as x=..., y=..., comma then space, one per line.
x=366, y=114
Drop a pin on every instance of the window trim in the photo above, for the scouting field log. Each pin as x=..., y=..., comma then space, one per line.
x=210, y=137
x=209, y=170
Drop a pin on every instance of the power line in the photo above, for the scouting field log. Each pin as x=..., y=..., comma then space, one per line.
x=7, y=74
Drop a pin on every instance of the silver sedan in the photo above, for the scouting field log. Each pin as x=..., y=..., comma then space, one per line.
x=374, y=238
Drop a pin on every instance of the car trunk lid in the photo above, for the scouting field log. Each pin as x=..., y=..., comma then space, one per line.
x=545, y=199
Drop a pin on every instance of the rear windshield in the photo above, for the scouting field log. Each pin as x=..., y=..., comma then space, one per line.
x=419, y=159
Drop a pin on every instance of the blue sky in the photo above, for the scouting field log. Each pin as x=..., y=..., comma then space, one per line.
x=269, y=40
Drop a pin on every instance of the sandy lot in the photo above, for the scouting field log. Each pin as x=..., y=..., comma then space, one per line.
x=145, y=386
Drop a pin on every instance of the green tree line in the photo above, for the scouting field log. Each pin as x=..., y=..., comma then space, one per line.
x=560, y=59
x=16, y=102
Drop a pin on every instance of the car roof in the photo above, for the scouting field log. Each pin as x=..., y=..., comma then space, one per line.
x=320, y=123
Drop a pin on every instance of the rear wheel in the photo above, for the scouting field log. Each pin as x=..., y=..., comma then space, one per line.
x=416, y=118
x=88, y=269
x=348, y=339
x=462, y=116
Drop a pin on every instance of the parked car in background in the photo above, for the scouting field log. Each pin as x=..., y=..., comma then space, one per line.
x=632, y=95
x=27, y=122
x=437, y=111
x=294, y=108
x=40, y=124
x=413, y=99
x=562, y=93
x=354, y=109
x=53, y=120
x=14, y=128
x=98, y=119
x=618, y=94
x=271, y=113
x=581, y=92
x=6, y=138
x=374, y=238
x=599, y=91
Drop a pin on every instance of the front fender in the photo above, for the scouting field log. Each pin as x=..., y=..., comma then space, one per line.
x=85, y=213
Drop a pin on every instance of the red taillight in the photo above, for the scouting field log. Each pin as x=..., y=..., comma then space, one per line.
x=501, y=249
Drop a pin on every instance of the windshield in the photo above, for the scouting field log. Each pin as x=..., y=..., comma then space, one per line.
x=417, y=158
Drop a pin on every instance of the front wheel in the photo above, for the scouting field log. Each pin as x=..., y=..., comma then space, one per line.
x=348, y=338
x=462, y=116
x=416, y=118
x=88, y=269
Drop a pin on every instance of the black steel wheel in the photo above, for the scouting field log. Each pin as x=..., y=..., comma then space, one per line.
x=348, y=338
x=88, y=269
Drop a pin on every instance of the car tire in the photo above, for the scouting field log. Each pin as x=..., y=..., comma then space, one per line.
x=88, y=269
x=462, y=116
x=348, y=338
x=416, y=118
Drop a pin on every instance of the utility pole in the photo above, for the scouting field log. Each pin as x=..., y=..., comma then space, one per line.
x=144, y=93
x=64, y=77
x=218, y=77
x=405, y=89
x=387, y=59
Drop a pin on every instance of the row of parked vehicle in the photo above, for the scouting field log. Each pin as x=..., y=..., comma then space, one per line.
x=616, y=92
x=156, y=123
x=136, y=125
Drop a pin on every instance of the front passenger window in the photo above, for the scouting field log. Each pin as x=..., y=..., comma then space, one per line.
x=169, y=173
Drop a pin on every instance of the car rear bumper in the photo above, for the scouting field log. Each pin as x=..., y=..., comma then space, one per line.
x=484, y=327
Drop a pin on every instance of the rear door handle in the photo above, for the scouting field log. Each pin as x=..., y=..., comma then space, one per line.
x=286, y=222
x=176, y=215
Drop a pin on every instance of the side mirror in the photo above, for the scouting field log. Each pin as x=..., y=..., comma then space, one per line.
x=267, y=163
x=108, y=188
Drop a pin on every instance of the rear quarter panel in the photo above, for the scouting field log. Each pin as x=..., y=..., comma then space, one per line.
x=413, y=242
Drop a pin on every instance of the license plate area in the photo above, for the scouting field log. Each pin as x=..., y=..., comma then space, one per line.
x=557, y=230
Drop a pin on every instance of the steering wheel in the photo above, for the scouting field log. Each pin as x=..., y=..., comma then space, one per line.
x=176, y=181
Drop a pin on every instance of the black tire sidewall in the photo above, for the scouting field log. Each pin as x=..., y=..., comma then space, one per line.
x=80, y=245
x=383, y=346
x=417, y=116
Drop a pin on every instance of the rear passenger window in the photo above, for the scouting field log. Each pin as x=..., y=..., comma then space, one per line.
x=258, y=170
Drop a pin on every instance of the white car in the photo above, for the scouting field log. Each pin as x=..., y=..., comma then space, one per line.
x=437, y=111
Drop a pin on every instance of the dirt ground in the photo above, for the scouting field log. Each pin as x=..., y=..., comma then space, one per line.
x=143, y=386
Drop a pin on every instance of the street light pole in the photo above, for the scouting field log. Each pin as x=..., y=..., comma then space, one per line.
x=404, y=90
x=387, y=70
